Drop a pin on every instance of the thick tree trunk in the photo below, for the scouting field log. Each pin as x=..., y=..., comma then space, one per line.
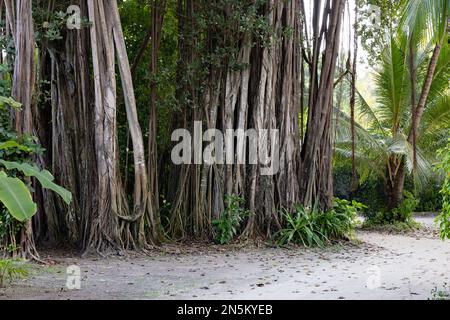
x=111, y=200
x=316, y=184
x=71, y=144
x=23, y=88
x=116, y=225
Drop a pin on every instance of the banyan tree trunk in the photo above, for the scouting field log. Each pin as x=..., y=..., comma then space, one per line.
x=316, y=184
x=262, y=95
x=23, y=84
x=116, y=223
x=72, y=145
x=82, y=146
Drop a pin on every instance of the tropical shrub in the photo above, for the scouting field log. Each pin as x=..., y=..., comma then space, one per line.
x=227, y=225
x=402, y=214
x=310, y=227
x=444, y=218
x=430, y=199
x=371, y=190
x=300, y=228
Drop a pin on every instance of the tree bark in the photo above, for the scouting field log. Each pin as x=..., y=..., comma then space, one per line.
x=316, y=184
x=23, y=85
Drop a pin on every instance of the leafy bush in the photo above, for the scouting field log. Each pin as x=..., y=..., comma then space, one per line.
x=12, y=269
x=405, y=210
x=301, y=228
x=430, y=200
x=403, y=213
x=227, y=226
x=370, y=192
x=341, y=220
x=310, y=227
x=444, y=218
x=393, y=227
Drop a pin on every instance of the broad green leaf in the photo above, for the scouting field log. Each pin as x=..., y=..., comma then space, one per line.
x=16, y=197
x=13, y=144
x=44, y=177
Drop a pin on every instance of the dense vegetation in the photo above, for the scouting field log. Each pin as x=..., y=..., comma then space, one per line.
x=290, y=66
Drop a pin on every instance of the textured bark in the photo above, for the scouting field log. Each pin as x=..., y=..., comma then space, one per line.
x=111, y=200
x=23, y=89
x=316, y=184
x=71, y=143
x=24, y=67
x=116, y=224
x=158, y=11
x=264, y=94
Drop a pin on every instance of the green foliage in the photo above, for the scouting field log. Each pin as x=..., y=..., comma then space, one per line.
x=16, y=197
x=373, y=35
x=441, y=294
x=444, y=218
x=14, y=193
x=300, y=229
x=8, y=101
x=12, y=269
x=51, y=26
x=403, y=213
x=43, y=176
x=371, y=190
x=430, y=200
x=394, y=227
x=310, y=227
x=6, y=44
x=227, y=226
x=344, y=214
x=21, y=149
x=383, y=125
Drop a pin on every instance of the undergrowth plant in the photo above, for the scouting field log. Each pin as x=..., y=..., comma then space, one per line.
x=404, y=212
x=441, y=294
x=311, y=227
x=227, y=225
x=12, y=269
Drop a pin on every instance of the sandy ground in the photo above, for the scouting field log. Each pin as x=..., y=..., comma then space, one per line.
x=382, y=266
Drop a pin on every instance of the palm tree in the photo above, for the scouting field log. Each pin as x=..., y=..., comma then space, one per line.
x=383, y=128
x=425, y=19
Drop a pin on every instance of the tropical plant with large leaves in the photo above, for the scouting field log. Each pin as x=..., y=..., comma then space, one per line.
x=383, y=130
x=14, y=193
